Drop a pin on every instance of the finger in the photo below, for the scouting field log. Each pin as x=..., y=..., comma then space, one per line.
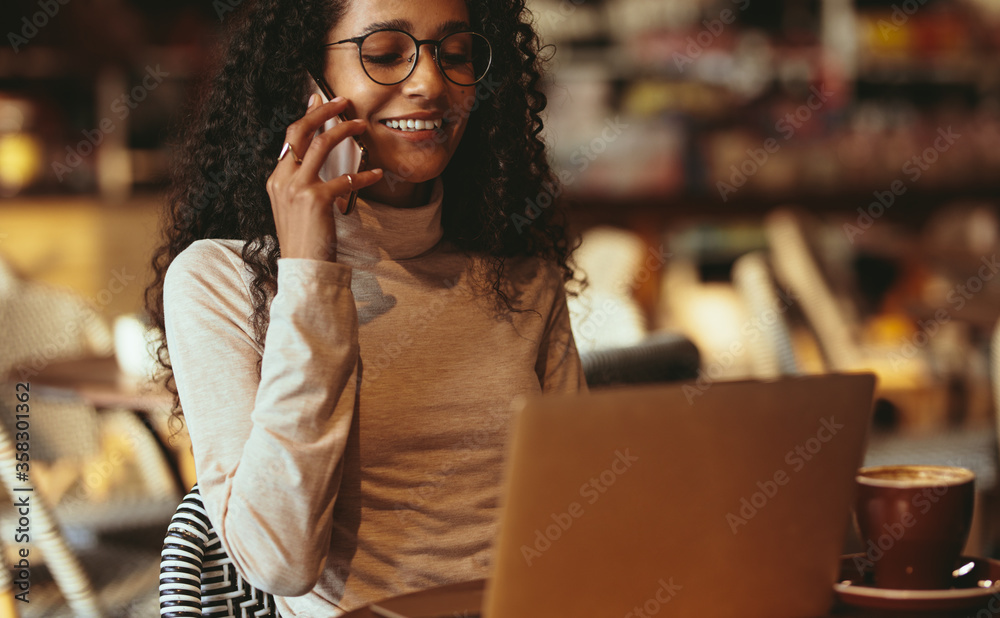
x=321, y=145
x=300, y=137
x=340, y=187
x=284, y=171
x=300, y=133
x=289, y=152
x=282, y=174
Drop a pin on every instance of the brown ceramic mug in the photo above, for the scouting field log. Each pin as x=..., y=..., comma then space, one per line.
x=914, y=521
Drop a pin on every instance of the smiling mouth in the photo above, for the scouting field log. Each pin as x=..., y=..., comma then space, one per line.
x=411, y=125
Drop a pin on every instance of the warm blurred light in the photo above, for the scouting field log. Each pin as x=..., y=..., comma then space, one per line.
x=606, y=314
x=716, y=313
x=713, y=316
x=20, y=151
x=20, y=161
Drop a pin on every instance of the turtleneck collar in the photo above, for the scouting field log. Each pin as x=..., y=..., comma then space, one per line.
x=375, y=231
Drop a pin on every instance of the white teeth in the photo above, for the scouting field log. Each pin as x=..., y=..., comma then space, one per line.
x=410, y=124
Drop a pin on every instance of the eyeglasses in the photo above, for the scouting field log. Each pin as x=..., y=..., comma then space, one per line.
x=388, y=56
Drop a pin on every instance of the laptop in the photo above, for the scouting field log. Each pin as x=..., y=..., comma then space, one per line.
x=729, y=499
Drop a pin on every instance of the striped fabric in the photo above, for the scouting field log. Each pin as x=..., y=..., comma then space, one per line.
x=197, y=578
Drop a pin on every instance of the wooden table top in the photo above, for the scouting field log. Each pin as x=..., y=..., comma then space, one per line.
x=466, y=598
x=100, y=382
x=452, y=600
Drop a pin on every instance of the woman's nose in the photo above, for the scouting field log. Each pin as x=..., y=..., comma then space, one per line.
x=426, y=78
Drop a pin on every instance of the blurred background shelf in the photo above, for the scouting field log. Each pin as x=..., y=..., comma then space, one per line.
x=688, y=87
x=664, y=116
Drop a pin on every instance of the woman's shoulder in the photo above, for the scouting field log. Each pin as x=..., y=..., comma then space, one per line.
x=532, y=282
x=534, y=272
x=217, y=262
x=206, y=293
x=209, y=250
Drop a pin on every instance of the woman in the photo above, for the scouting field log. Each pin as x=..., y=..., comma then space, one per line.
x=347, y=379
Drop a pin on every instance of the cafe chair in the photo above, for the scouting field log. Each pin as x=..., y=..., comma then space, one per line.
x=661, y=357
x=41, y=324
x=798, y=268
x=88, y=492
x=69, y=576
x=771, y=353
x=197, y=578
x=8, y=606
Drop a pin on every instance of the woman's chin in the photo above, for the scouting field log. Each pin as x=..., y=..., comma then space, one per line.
x=401, y=190
x=395, y=174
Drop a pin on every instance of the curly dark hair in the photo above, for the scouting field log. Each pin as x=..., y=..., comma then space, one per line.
x=259, y=88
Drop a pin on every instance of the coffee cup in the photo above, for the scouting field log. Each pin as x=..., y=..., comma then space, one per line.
x=914, y=521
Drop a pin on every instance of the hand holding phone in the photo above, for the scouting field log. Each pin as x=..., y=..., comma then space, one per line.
x=347, y=157
x=302, y=188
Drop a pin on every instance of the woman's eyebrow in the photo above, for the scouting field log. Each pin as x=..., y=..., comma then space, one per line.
x=388, y=24
x=452, y=26
x=407, y=26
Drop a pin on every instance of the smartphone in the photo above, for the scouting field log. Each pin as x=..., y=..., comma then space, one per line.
x=347, y=157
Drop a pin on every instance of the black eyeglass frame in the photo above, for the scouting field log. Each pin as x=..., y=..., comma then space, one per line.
x=418, y=43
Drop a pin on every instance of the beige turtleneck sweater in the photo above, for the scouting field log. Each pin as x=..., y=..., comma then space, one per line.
x=365, y=461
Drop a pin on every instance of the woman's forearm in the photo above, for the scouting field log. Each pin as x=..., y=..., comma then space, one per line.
x=267, y=449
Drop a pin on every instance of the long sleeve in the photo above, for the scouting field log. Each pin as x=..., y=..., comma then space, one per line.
x=559, y=368
x=267, y=450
